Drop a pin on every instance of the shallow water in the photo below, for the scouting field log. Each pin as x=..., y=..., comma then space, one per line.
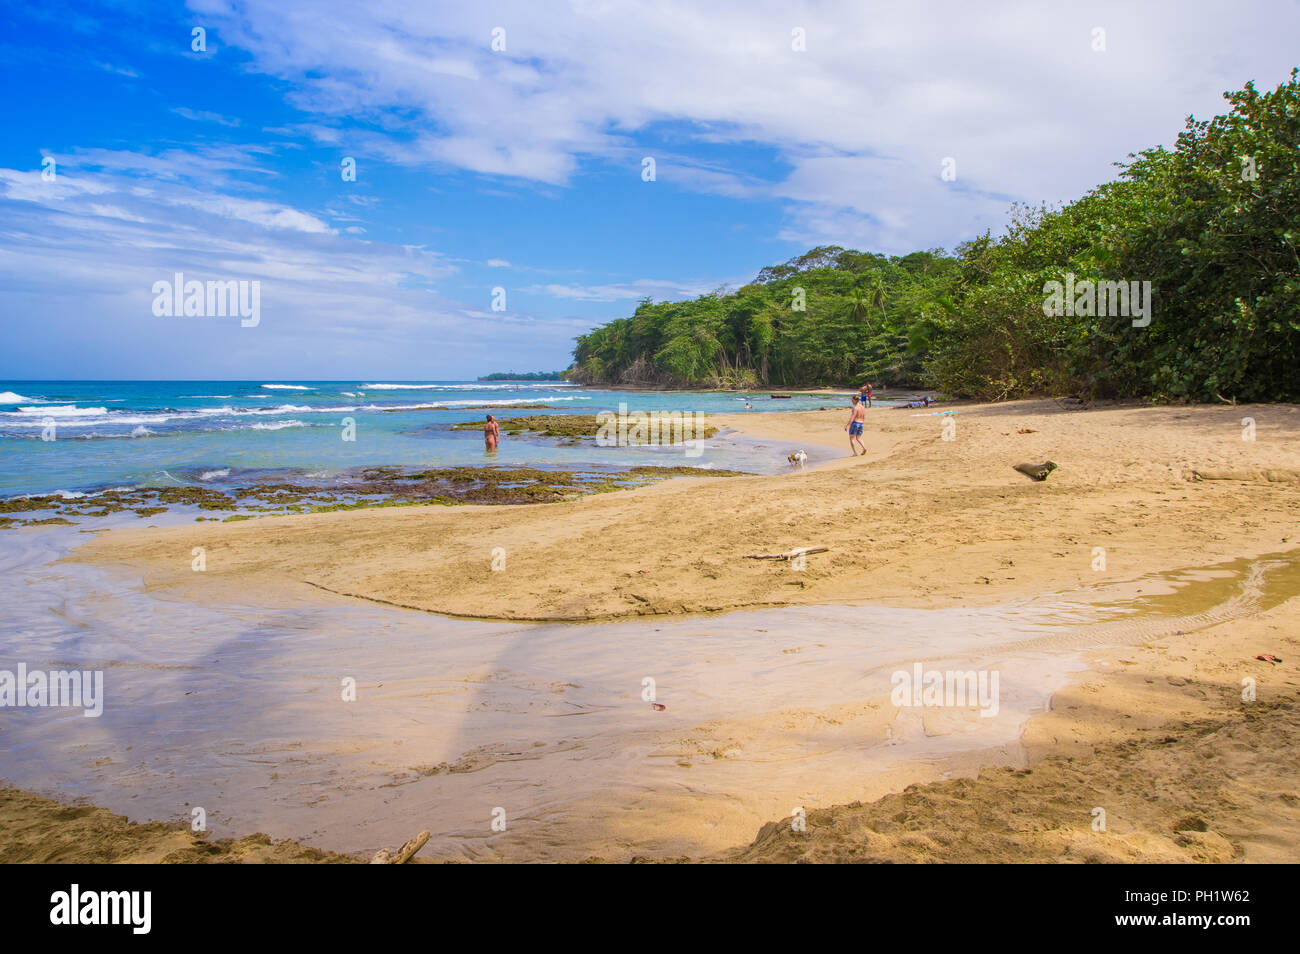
x=223, y=434
x=239, y=709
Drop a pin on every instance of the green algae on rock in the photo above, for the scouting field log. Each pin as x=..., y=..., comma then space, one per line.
x=375, y=487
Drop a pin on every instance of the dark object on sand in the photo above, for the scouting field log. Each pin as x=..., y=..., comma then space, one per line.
x=658, y=706
x=1036, y=471
x=1269, y=658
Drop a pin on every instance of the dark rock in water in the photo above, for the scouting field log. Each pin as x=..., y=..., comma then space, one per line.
x=1037, y=471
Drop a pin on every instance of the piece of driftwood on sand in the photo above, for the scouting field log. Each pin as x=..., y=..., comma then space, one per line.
x=404, y=854
x=787, y=555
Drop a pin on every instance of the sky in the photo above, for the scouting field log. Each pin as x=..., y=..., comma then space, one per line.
x=501, y=155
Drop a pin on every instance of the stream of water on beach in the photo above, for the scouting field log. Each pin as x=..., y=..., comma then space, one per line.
x=239, y=709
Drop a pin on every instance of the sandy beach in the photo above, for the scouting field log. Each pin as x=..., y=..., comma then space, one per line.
x=918, y=521
x=1123, y=600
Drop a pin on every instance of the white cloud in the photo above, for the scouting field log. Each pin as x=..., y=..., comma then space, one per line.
x=266, y=214
x=205, y=117
x=214, y=166
x=79, y=256
x=629, y=291
x=119, y=70
x=1014, y=92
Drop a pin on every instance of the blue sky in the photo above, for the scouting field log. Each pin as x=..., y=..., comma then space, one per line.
x=522, y=168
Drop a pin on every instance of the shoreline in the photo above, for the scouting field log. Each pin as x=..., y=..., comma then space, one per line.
x=1195, y=673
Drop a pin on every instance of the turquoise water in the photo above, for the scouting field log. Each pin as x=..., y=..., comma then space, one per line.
x=224, y=433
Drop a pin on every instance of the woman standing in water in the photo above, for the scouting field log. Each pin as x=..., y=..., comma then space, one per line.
x=491, y=434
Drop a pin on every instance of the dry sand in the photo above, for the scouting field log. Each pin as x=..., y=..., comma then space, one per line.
x=1155, y=733
x=42, y=831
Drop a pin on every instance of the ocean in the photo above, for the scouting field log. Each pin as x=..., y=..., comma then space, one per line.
x=221, y=434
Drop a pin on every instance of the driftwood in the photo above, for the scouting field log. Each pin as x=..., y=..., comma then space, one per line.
x=404, y=854
x=1254, y=476
x=788, y=555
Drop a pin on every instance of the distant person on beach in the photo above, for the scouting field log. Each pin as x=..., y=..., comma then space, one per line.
x=924, y=402
x=854, y=426
x=491, y=433
x=867, y=393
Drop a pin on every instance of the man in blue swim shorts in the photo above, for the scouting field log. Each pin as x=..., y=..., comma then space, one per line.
x=854, y=426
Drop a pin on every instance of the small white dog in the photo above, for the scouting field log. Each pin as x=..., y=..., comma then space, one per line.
x=798, y=458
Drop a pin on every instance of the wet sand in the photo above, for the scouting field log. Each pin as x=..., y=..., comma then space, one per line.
x=238, y=710
x=1150, y=757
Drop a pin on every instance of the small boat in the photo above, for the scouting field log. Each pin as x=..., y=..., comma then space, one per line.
x=778, y=397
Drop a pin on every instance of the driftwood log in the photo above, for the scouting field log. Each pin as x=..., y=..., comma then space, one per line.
x=1252, y=476
x=404, y=854
x=787, y=555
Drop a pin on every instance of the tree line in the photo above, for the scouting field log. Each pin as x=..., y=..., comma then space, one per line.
x=1208, y=228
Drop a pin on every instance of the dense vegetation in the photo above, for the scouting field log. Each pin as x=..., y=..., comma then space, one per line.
x=523, y=376
x=1212, y=224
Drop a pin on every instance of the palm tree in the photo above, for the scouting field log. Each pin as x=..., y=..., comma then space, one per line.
x=859, y=305
x=878, y=294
